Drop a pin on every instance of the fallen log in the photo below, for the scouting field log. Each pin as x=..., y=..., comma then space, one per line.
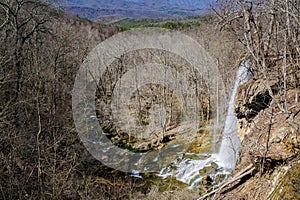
x=241, y=174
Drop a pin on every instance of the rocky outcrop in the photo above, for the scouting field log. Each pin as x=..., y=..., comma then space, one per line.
x=251, y=98
x=268, y=142
x=261, y=123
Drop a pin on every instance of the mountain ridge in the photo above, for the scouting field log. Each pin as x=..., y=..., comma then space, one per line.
x=95, y=9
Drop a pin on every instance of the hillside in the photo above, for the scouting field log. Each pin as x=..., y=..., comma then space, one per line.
x=42, y=156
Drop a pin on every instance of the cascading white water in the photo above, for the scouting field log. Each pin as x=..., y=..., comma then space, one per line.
x=187, y=169
x=230, y=144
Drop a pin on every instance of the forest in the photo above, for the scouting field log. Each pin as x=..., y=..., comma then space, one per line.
x=42, y=156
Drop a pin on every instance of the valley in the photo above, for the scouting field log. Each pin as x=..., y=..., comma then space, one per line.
x=148, y=99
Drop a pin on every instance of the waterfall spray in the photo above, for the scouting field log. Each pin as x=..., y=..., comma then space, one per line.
x=230, y=144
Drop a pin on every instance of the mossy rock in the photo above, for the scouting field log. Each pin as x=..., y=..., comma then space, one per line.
x=195, y=147
x=192, y=156
x=219, y=178
x=166, y=184
x=209, y=169
x=202, y=143
x=194, y=179
x=289, y=187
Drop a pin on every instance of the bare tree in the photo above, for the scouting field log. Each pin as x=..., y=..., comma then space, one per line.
x=269, y=31
x=41, y=50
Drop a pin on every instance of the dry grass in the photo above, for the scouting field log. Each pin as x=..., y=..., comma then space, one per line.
x=178, y=194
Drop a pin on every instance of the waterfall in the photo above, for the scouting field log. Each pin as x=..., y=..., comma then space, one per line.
x=186, y=169
x=230, y=144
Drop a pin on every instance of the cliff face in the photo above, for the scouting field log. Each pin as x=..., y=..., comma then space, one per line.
x=268, y=142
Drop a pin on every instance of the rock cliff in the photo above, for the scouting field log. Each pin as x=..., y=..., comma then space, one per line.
x=268, y=142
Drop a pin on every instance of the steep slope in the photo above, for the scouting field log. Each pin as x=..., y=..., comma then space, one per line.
x=41, y=156
x=270, y=146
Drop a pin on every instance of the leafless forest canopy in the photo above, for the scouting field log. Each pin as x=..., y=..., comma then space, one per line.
x=41, y=49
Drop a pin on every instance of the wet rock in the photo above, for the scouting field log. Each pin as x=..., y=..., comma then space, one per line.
x=209, y=169
x=206, y=180
x=194, y=156
x=219, y=178
x=205, y=185
x=202, y=142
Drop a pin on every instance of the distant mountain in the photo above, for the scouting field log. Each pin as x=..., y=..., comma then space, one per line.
x=96, y=13
x=95, y=9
